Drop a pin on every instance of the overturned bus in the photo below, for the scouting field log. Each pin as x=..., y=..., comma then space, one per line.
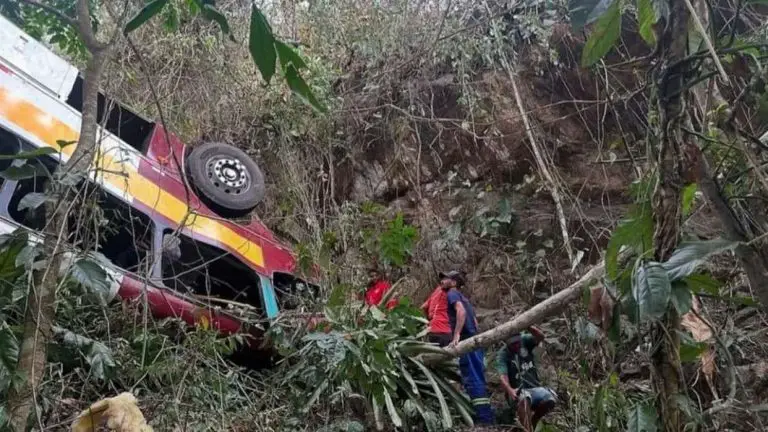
x=174, y=214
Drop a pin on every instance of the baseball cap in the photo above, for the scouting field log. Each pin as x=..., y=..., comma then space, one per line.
x=457, y=275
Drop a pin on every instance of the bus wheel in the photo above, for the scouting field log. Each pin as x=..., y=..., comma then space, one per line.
x=225, y=178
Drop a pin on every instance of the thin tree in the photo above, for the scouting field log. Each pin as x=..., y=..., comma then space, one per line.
x=265, y=50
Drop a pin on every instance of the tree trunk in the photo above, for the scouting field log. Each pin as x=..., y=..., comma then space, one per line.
x=40, y=313
x=671, y=95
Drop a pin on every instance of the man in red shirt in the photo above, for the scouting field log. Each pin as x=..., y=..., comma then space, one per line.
x=436, y=309
x=377, y=287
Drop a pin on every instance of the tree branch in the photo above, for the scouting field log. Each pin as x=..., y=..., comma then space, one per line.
x=84, y=27
x=53, y=11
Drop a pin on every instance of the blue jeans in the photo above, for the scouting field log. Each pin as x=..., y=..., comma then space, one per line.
x=472, y=368
x=537, y=396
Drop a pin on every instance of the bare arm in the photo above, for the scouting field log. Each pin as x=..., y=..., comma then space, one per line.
x=507, y=387
x=461, y=317
x=537, y=334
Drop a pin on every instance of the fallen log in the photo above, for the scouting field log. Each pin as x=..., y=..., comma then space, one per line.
x=546, y=309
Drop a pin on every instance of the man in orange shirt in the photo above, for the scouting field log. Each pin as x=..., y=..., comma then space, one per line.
x=436, y=309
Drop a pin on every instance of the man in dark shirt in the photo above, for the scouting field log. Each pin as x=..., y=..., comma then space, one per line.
x=516, y=364
x=461, y=316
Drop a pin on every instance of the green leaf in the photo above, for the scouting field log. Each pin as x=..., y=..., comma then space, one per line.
x=505, y=211
x=194, y=6
x=689, y=256
x=690, y=349
x=9, y=348
x=651, y=290
x=646, y=18
x=145, y=14
x=90, y=275
x=604, y=36
x=681, y=297
x=585, y=12
x=210, y=12
x=393, y=415
x=261, y=44
x=636, y=233
x=642, y=418
x=301, y=89
x=377, y=413
x=598, y=409
x=100, y=359
x=32, y=201
x=288, y=56
x=447, y=421
x=22, y=172
x=32, y=154
x=688, y=194
x=703, y=283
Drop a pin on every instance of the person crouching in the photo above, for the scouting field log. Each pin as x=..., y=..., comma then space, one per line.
x=516, y=365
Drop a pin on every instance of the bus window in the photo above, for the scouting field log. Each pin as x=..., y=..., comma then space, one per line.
x=108, y=224
x=18, y=210
x=9, y=144
x=98, y=221
x=194, y=267
x=293, y=293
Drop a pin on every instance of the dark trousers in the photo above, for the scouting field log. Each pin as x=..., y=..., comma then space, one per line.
x=441, y=339
x=472, y=370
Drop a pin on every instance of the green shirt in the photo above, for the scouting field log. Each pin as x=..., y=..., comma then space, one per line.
x=519, y=366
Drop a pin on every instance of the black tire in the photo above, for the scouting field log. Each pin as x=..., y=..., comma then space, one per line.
x=225, y=178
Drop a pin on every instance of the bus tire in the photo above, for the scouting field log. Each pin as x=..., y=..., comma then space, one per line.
x=225, y=178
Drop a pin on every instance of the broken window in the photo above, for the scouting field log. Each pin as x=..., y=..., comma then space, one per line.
x=294, y=293
x=104, y=222
x=26, y=205
x=98, y=221
x=194, y=267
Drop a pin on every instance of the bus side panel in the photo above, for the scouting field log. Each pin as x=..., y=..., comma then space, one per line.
x=163, y=304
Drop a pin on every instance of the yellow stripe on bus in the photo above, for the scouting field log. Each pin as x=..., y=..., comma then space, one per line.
x=124, y=177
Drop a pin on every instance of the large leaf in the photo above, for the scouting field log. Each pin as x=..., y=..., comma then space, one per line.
x=681, y=297
x=91, y=275
x=288, y=56
x=636, y=233
x=690, y=349
x=32, y=154
x=98, y=355
x=9, y=348
x=261, y=44
x=688, y=195
x=210, y=12
x=393, y=414
x=646, y=18
x=689, y=256
x=584, y=12
x=651, y=290
x=447, y=421
x=145, y=14
x=100, y=359
x=703, y=283
x=301, y=89
x=642, y=418
x=32, y=201
x=22, y=172
x=604, y=36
